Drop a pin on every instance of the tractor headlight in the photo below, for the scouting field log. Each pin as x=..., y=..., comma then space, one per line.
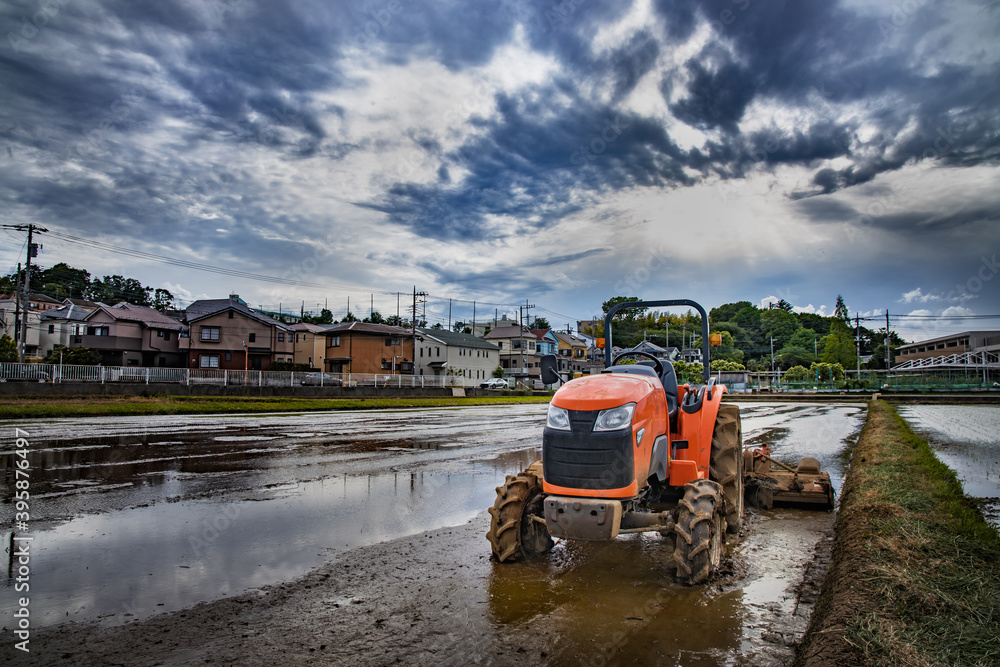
x=558, y=418
x=614, y=418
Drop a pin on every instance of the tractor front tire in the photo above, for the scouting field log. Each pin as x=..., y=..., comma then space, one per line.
x=726, y=463
x=517, y=526
x=699, y=532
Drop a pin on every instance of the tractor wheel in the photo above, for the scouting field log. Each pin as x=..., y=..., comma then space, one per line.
x=517, y=526
x=726, y=464
x=700, y=535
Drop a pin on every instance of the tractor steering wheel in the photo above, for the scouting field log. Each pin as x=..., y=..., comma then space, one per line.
x=658, y=364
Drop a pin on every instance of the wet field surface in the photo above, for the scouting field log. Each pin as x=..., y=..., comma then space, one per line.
x=967, y=439
x=136, y=517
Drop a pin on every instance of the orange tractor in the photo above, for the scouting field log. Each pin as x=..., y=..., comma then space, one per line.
x=630, y=450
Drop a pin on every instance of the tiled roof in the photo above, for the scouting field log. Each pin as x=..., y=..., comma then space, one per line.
x=507, y=332
x=366, y=328
x=204, y=307
x=457, y=339
x=150, y=317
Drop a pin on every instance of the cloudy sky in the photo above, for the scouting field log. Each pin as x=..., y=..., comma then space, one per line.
x=510, y=150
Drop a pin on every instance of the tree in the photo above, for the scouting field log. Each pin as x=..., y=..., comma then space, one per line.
x=784, y=305
x=542, y=323
x=724, y=365
x=627, y=315
x=794, y=356
x=73, y=356
x=349, y=317
x=498, y=372
x=778, y=323
x=727, y=311
x=437, y=326
x=8, y=349
x=62, y=280
x=825, y=372
x=797, y=374
x=839, y=346
x=113, y=289
x=727, y=351
x=840, y=311
x=162, y=299
x=374, y=318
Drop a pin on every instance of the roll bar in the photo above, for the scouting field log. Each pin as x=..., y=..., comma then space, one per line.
x=707, y=372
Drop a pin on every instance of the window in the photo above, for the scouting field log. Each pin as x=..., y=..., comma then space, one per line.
x=208, y=361
x=52, y=328
x=98, y=331
x=229, y=356
x=209, y=333
x=438, y=351
x=333, y=341
x=281, y=337
x=166, y=335
x=182, y=334
x=159, y=334
x=253, y=338
x=230, y=314
x=421, y=352
x=393, y=341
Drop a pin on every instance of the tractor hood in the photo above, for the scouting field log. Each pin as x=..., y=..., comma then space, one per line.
x=608, y=390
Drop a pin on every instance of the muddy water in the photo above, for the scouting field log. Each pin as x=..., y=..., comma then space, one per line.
x=142, y=516
x=967, y=439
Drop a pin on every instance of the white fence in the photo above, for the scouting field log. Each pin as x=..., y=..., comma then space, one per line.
x=63, y=374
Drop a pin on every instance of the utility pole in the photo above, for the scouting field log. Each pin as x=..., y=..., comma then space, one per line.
x=414, y=321
x=888, y=350
x=772, y=355
x=32, y=251
x=449, y=314
x=857, y=339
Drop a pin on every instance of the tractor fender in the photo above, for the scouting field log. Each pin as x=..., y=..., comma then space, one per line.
x=659, y=460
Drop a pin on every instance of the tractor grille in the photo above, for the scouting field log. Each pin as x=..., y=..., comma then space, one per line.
x=582, y=459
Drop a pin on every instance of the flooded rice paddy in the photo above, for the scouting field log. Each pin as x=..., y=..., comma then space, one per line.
x=967, y=439
x=135, y=517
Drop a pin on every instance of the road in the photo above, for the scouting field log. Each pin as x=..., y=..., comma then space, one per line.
x=287, y=525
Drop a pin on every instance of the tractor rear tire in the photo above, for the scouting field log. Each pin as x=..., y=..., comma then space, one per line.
x=517, y=526
x=699, y=533
x=726, y=463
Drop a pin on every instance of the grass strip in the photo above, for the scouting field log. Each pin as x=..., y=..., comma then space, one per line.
x=104, y=406
x=916, y=572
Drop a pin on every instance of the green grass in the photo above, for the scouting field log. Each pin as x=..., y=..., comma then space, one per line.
x=49, y=408
x=928, y=565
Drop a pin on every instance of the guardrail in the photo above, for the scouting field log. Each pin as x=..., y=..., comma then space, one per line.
x=62, y=374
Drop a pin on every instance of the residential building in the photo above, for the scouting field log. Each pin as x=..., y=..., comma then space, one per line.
x=691, y=355
x=517, y=347
x=60, y=325
x=310, y=344
x=129, y=335
x=545, y=343
x=442, y=352
x=10, y=322
x=359, y=347
x=228, y=334
x=967, y=341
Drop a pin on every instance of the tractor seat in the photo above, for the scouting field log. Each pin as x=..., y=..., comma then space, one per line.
x=633, y=369
x=669, y=381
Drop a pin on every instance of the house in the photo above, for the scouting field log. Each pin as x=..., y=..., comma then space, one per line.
x=310, y=344
x=443, y=352
x=128, y=335
x=546, y=342
x=60, y=325
x=228, y=334
x=517, y=350
x=691, y=355
x=10, y=322
x=663, y=353
x=359, y=347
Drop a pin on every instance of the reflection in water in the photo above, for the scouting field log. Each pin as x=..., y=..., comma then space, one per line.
x=615, y=602
x=135, y=563
x=967, y=439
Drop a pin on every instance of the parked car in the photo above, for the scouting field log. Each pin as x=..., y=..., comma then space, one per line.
x=494, y=383
x=326, y=379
